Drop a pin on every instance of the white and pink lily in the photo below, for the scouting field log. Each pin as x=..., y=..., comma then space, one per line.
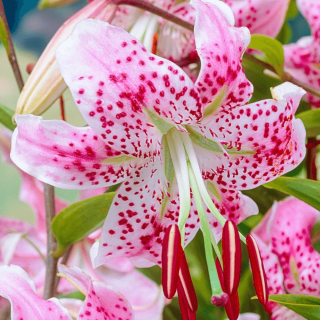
x=18, y=240
x=101, y=301
x=302, y=59
x=290, y=262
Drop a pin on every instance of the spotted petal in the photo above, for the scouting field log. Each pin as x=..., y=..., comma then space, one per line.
x=141, y=211
x=16, y=286
x=261, y=141
x=259, y=16
x=101, y=300
x=65, y=156
x=222, y=82
x=125, y=94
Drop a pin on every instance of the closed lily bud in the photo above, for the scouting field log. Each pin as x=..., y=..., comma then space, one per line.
x=46, y=4
x=45, y=84
x=231, y=256
x=258, y=272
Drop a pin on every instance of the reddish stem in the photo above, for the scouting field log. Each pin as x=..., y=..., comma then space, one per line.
x=63, y=115
x=311, y=159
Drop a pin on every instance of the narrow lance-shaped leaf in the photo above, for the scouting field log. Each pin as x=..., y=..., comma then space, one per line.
x=6, y=115
x=306, y=306
x=311, y=121
x=303, y=189
x=272, y=49
x=80, y=219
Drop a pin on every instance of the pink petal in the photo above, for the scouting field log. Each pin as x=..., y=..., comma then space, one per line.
x=143, y=294
x=31, y=190
x=113, y=71
x=291, y=242
x=66, y=156
x=25, y=304
x=301, y=62
x=85, y=194
x=263, y=141
x=100, y=300
x=8, y=245
x=259, y=16
x=220, y=47
x=136, y=226
x=249, y=316
x=233, y=205
x=310, y=9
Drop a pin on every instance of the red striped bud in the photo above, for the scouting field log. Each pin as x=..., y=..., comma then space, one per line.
x=231, y=256
x=233, y=307
x=186, y=313
x=259, y=275
x=187, y=290
x=221, y=299
x=171, y=260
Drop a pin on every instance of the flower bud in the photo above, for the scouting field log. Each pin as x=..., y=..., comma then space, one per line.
x=46, y=4
x=45, y=84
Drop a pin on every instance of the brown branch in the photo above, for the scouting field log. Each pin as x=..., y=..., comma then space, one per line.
x=51, y=262
x=11, y=52
x=170, y=17
x=155, y=10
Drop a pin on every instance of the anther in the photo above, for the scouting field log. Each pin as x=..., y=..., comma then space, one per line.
x=231, y=256
x=187, y=290
x=258, y=272
x=171, y=260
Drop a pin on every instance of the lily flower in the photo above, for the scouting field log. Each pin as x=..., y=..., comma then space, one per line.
x=302, y=59
x=101, y=300
x=45, y=84
x=158, y=133
x=291, y=264
x=24, y=245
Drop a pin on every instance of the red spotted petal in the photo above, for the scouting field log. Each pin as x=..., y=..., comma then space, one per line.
x=220, y=47
x=231, y=255
x=258, y=272
x=188, y=292
x=171, y=259
x=65, y=156
x=122, y=90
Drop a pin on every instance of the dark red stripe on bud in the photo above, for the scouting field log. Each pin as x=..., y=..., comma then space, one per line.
x=220, y=300
x=187, y=290
x=171, y=260
x=233, y=307
x=231, y=256
x=259, y=275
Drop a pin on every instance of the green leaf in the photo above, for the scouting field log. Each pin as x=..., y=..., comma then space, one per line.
x=6, y=115
x=4, y=35
x=272, y=48
x=311, y=121
x=303, y=189
x=306, y=306
x=285, y=34
x=80, y=219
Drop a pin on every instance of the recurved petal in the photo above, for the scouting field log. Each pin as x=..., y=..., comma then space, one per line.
x=259, y=16
x=101, y=300
x=261, y=140
x=126, y=94
x=220, y=45
x=16, y=286
x=290, y=241
x=65, y=156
